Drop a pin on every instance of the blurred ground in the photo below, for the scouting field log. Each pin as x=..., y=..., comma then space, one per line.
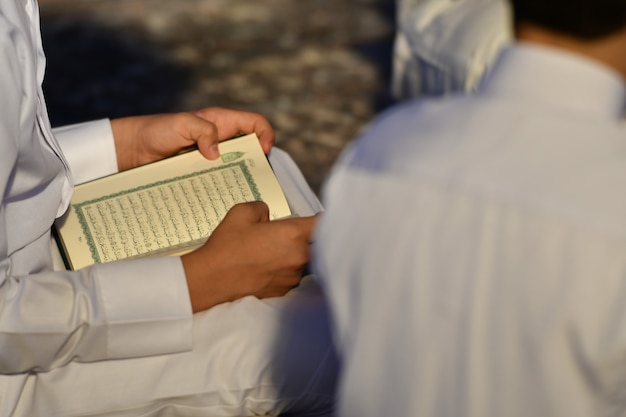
x=317, y=69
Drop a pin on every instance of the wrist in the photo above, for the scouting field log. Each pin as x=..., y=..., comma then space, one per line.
x=203, y=286
x=124, y=131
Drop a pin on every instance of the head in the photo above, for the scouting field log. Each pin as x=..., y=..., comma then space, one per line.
x=585, y=20
x=594, y=28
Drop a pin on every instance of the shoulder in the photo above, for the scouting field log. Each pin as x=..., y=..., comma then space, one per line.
x=407, y=132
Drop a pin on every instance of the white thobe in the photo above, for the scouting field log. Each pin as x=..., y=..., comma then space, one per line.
x=445, y=46
x=120, y=338
x=474, y=249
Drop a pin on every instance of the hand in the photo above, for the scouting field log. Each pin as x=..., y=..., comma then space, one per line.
x=143, y=139
x=248, y=255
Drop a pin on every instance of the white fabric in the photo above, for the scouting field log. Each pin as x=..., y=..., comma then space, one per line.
x=249, y=357
x=88, y=148
x=474, y=249
x=120, y=339
x=52, y=318
x=443, y=46
x=302, y=201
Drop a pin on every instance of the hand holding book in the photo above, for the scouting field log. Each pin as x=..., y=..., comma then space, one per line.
x=248, y=255
x=168, y=207
x=226, y=218
x=141, y=140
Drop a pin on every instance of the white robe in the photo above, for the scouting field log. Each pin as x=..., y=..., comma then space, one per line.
x=474, y=248
x=120, y=338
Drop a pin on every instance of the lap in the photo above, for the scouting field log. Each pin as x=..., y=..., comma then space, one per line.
x=250, y=357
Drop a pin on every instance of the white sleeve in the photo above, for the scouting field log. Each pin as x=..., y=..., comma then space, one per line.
x=89, y=149
x=117, y=310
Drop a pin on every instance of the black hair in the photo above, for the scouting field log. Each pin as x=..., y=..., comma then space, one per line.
x=582, y=19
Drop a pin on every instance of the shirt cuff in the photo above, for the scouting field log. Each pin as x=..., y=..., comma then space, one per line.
x=89, y=149
x=146, y=305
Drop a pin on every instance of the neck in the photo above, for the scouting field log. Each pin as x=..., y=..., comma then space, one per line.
x=610, y=50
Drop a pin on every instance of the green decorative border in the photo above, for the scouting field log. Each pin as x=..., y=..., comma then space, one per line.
x=78, y=208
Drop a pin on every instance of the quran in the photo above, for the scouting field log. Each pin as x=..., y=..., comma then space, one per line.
x=168, y=207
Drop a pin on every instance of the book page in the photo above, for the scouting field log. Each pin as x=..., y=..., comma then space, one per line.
x=169, y=207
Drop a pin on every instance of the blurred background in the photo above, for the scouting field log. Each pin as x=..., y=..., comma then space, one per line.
x=317, y=69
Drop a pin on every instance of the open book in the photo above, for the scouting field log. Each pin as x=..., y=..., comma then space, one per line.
x=168, y=207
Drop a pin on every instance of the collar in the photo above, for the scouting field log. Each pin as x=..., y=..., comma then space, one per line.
x=554, y=76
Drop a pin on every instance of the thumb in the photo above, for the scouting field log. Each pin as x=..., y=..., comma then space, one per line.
x=206, y=137
x=251, y=212
x=305, y=224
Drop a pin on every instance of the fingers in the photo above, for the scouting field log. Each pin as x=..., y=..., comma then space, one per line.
x=143, y=139
x=302, y=226
x=233, y=122
x=298, y=229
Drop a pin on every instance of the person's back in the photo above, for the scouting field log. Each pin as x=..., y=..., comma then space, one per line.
x=474, y=248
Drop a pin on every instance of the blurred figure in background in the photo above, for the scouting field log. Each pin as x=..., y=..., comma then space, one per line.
x=445, y=46
x=473, y=248
x=204, y=334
